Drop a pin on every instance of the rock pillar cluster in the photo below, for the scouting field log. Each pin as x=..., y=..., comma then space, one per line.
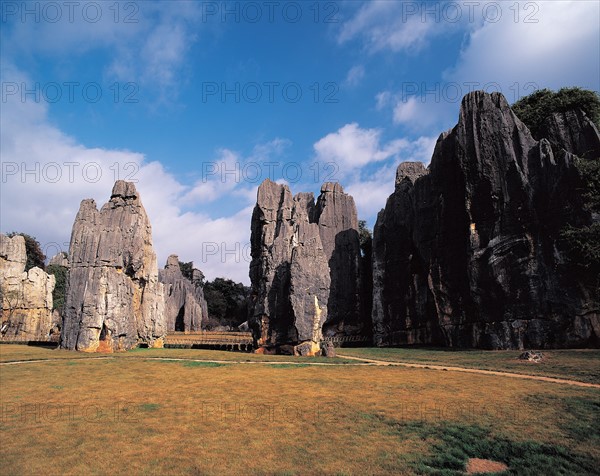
x=468, y=252
x=185, y=306
x=114, y=300
x=304, y=269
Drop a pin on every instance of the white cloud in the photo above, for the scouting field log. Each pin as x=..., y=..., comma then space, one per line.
x=355, y=75
x=382, y=99
x=554, y=44
x=389, y=25
x=232, y=174
x=146, y=41
x=367, y=165
x=425, y=113
x=351, y=147
x=405, y=111
x=46, y=174
x=371, y=193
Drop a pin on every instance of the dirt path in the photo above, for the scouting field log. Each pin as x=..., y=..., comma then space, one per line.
x=473, y=371
x=182, y=359
x=359, y=362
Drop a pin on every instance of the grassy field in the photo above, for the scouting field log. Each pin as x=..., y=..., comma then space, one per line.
x=134, y=414
x=582, y=365
x=13, y=352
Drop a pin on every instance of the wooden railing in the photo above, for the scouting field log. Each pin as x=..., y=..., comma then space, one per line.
x=339, y=341
x=241, y=341
x=53, y=339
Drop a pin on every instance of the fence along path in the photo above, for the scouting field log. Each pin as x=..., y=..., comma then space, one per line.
x=218, y=340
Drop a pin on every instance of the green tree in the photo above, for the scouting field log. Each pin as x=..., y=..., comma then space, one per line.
x=35, y=256
x=366, y=268
x=535, y=108
x=365, y=238
x=581, y=242
x=187, y=269
x=227, y=301
x=193, y=275
x=58, y=295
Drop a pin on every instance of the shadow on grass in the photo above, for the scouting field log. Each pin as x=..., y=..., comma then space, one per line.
x=452, y=445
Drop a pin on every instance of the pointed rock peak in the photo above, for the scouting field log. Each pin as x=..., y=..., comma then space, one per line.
x=268, y=189
x=88, y=204
x=124, y=189
x=411, y=171
x=334, y=187
x=478, y=100
x=172, y=262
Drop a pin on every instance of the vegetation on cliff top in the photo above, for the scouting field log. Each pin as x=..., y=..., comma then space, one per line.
x=582, y=243
x=535, y=108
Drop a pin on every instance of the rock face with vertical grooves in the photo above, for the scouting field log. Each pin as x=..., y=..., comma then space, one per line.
x=26, y=297
x=467, y=253
x=185, y=306
x=114, y=300
x=289, y=272
x=335, y=213
x=573, y=131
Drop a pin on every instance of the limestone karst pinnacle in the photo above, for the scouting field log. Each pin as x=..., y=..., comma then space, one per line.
x=185, y=306
x=114, y=300
x=467, y=254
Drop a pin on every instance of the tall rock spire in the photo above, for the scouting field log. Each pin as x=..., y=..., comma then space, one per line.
x=114, y=300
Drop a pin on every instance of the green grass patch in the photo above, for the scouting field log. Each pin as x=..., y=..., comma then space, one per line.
x=577, y=364
x=202, y=364
x=288, y=366
x=452, y=444
x=149, y=407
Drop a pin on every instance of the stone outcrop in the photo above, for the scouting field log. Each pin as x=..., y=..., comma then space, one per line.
x=59, y=259
x=467, y=253
x=306, y=268
x=572, y=131
x=185, y=306
x=26, y=299
x=335, y=213
x=289, y=272
x=114, y=300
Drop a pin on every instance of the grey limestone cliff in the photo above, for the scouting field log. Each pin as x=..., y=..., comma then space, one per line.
x=113, y=299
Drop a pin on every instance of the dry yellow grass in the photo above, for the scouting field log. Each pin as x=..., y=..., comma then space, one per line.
x=9, y=353
x=134, y=416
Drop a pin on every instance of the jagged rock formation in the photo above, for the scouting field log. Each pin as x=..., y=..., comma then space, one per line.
x=185, y=306
x=289, y=272
x=468, y=254
x=114, y=300
x=335, y=213
x=305, y=256
x=59, y=259
x=26, y=299
x=572, y=131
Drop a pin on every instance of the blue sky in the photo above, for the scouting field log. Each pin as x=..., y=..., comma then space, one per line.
x=199, y=101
